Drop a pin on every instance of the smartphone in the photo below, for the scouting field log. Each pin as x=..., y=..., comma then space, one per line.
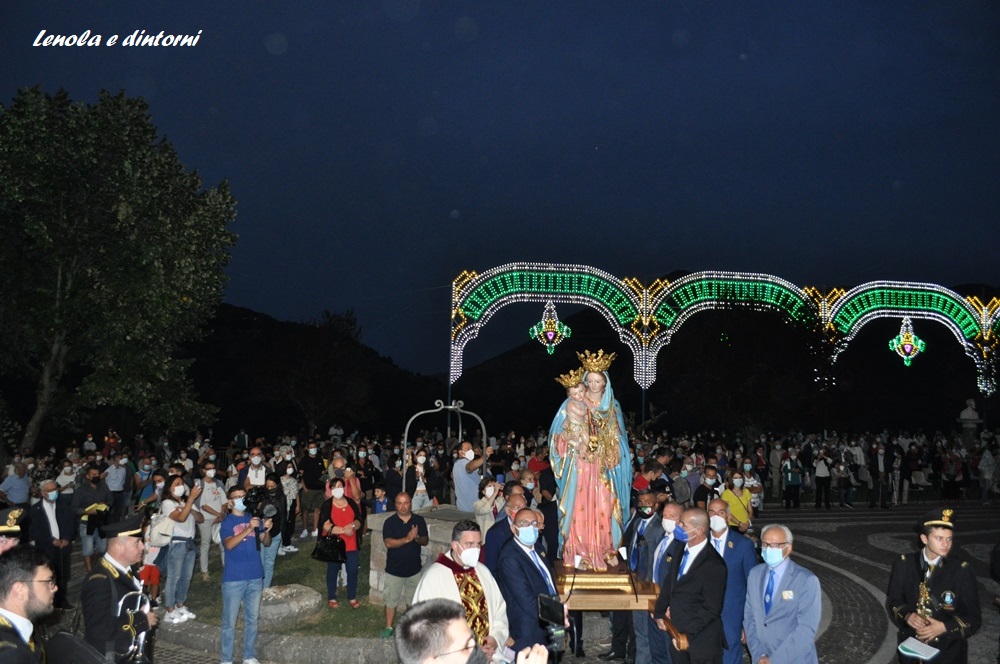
x=550, y=610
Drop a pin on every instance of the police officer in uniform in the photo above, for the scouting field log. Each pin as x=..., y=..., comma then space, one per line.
x=109, y=580
x=949, y=613
x=27, y=589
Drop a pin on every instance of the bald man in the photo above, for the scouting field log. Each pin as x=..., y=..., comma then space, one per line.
x=693, y=593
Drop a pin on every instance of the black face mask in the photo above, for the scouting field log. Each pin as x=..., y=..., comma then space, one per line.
x=477, y=656
x=95, y=480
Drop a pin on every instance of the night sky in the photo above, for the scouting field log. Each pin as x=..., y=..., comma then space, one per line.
x=379, y=148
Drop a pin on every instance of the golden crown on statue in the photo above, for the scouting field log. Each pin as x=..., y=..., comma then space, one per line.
x=574, y=377
x=596, y=362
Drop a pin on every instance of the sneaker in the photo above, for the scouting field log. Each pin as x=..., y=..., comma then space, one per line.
x=291, y=549
x=281, y=550
x=183, y=610
x=304, y=534
x=385, y=633
x=314, y=533
x=174, y=617
x=252, y=660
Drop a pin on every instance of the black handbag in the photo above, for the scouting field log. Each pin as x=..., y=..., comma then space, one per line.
x=330, y=549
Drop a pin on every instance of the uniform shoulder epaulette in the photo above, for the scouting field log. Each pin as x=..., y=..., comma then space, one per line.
x=111, y=568
x=97, y=575
x=4, y=622
x=8, y=644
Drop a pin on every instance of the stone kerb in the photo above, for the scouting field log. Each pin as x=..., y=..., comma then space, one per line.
x=440, y=521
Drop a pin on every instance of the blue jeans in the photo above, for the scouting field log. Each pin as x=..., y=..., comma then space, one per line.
x=93, y=542
x=640, y=626
x=267, y=556
x=180, y=567
x=235, y=594
x=333, y=571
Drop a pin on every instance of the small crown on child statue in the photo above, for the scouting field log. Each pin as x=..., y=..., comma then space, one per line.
x=571, y=379
x=596, y=362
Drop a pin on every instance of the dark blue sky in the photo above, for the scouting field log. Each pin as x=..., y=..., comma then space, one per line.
x=377, y=149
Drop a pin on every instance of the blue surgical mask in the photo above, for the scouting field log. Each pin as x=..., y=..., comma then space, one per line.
x=530, y=486
x=527, y=535
x=772, y=557
x=680, y=534
x=52, y=495
x=239, y=505
x=747, y=467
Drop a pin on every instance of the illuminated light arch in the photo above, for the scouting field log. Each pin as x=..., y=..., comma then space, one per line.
x=476, y=297
x=895, y=299
x=647, y=317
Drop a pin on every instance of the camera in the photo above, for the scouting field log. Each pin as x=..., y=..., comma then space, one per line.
x=552, y=613
x=257, y=503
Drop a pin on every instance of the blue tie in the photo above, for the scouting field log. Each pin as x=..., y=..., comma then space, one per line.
x=658, y=557
x=684, y=559
x=541, y=570
x=768, y=592
x=635, y=547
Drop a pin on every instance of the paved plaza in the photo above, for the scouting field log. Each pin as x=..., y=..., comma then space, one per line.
x=850, y=551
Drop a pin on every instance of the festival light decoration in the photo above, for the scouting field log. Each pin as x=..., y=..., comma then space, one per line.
x=550, y=331
x=906, y=344
x=647, y=317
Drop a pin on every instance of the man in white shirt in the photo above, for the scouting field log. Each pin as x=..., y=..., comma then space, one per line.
x=115, y=477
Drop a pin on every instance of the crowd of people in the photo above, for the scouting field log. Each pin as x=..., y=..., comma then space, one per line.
x=215, y=496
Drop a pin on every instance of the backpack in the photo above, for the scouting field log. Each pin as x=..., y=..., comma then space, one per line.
x=161, y=530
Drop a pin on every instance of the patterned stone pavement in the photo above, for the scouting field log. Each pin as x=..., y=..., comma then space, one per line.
x=851, y=552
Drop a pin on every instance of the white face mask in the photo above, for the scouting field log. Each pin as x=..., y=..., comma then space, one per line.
x=210, y=473
x=470, y=455
x=717, y=523
x=668, y=526
x=338, y=492
x=289, y=471
x=514, y=466
x=489, y=491
x=288, y=457
x=159, y=486
x=421, y=460
x=470, y=557
x=256, y=460
x=178, y=490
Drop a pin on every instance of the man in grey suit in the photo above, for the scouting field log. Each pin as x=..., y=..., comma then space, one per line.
x=782, y=608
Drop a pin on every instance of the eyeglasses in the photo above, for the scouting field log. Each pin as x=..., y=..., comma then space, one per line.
x=469, y=646
x=773, y=545
x=526, y=524
x=50, y=581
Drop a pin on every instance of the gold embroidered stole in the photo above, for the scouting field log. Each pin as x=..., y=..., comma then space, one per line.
x=473, y=596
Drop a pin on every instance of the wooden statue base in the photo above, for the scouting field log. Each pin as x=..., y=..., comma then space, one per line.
x=604, y=591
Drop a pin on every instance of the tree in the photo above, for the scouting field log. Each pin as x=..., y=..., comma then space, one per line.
x=113, y=256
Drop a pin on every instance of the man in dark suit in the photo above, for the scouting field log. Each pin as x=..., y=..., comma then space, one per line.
x=659, y=554
x=52, y=527
x=740, y=557
x=500, y=532
x=629, y=636
x=109, y=580
x=523, y=576
x=693, y=594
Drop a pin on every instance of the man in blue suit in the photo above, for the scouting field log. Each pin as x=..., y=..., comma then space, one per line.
x=523, y=575
x=782, y=609
x=52, y=527
x=740, y=557
x=500, y=532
